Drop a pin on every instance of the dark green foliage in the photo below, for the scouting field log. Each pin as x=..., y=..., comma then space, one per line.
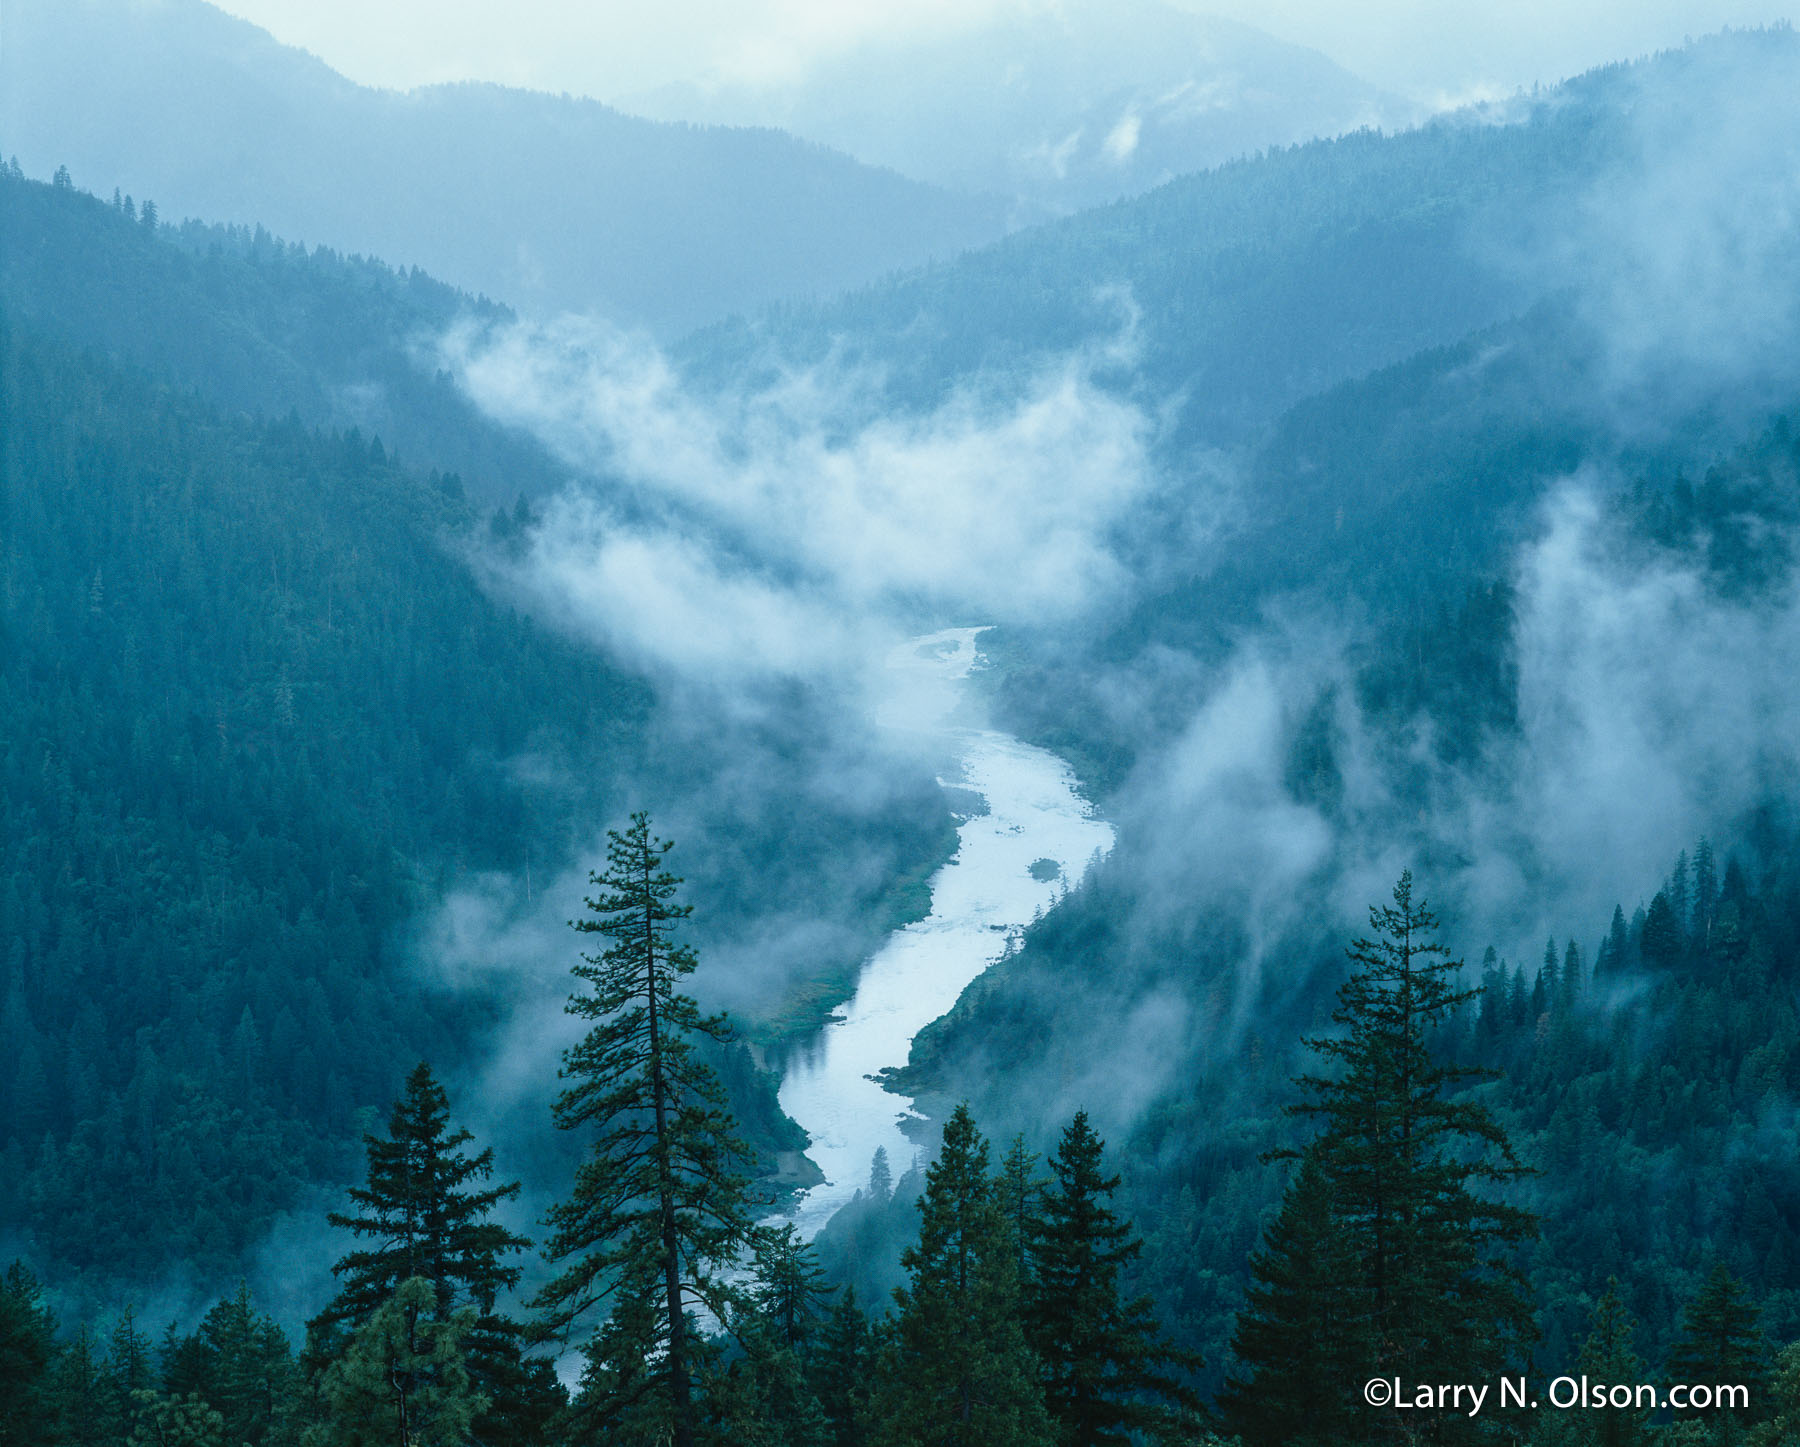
x=401, y=1378
x=1721, y=1343
x=1304, y=1330
x=1664, y=942
x=426, y=1221
x=1437, y=1293
x=843, y=1363
x=1609, y=1358
x=259, y=326
x=1108, y=1376
x=421, y=1216
x=788, y=1284
x=251, y=718
x=28, y=1413
x=658, y=1213
x=957, y=1371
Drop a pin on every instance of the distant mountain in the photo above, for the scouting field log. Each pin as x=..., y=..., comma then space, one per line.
x=1234, y=294
x=1059, y=106
x=549, y=203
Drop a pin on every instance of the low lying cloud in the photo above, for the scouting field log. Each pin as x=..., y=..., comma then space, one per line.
x=1683, y=253
x=1653, y=707
x=763, y=532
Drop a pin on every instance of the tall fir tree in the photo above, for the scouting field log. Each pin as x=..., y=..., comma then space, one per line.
x=428, y=1216
x=659, y=1212
x=1016, y=1192
x=1400, y=1151
x=1304, y=1332
x=958, y=1371
x=27, y=1349
x=1609, y=1358
x=1721, y=1343
x=841, y=1370
x=1108, y=1375
x=788, y=1283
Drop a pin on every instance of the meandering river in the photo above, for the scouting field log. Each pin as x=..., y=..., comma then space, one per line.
x=981, y=898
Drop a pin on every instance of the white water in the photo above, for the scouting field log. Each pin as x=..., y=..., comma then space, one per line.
x=979, y=899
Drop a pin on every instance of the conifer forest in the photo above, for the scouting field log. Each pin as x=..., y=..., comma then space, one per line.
x=1049, y=723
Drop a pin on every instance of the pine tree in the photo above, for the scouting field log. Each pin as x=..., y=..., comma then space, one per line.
x=1400, y=1153
x=1615, y=953
x=166, y=1421
x=881, y=1176
x=788, y=1283
x=1107, y=1374
x=1609, y=1358
x=1706, y=896
x=841, y=1368
x=80, y=1391
x=1304, y=1332
x=246, y=1371
x=1783, y=1427
x=424, y=1220
x=429, y=1220
x=1721, y=1342
x=403, y=1379
x=658, y=1215
x=958, y=1372
x=1016, y=1192
x=27, y=1348
x=1663, y=941
x=128, y=1372
x=1569, y=985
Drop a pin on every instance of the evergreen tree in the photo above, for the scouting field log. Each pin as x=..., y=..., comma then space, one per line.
x=1107, y=1374
x=1706, y=896
x=788, y=1283
x=129, y=1371
x=1016, y=1192
x=841, y=1367
x=958, y=1371
x=428, y=1219
x=1304, y=1330
x=1721, y=1343
x=1569, y=985
x=423, y=1218
x=1548, y=989
x=246, y=1371
x=1615, y=952
x=1663, y=941
x=1400, y=1152
x=402, y=1381
x=27, y=1349
x=881, y=1176
x=1782, y=1429
x=1609, y=1358
x=79, y=1388
x=165, y=1421
x=658, y=1215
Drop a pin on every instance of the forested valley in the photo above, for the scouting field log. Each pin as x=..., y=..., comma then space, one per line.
x=1389, y=542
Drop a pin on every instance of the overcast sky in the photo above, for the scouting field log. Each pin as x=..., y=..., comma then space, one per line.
x=1429, y=49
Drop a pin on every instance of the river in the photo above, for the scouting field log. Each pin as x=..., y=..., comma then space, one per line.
x=980, y=900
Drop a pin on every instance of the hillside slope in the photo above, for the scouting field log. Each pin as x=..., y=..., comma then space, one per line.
x=550, y=203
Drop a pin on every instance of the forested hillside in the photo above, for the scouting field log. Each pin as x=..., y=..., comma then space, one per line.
x=1642, y=1061
x=1394, y=528
x=256, y=714
x=258, y=325
x=263, y=723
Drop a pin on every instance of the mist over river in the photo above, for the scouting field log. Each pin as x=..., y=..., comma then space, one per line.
x=979, y=901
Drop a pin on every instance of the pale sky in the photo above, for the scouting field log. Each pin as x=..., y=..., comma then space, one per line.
x=1428, y=49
